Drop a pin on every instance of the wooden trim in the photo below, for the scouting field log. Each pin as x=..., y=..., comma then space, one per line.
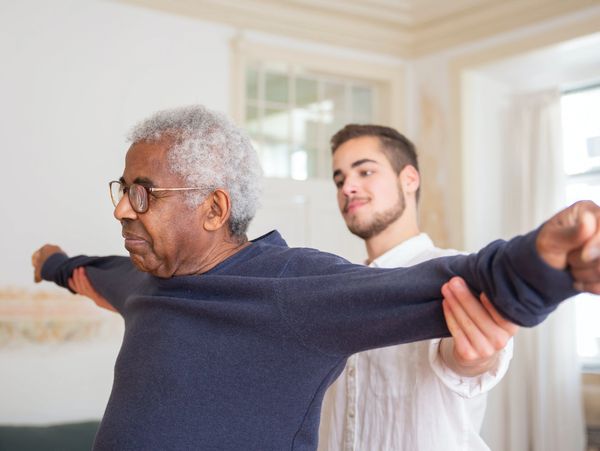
x=389, y=77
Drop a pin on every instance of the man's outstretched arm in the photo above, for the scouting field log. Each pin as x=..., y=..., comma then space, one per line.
x=108, y=281
x=78, y=282
x=526, y=278
x=569, y=240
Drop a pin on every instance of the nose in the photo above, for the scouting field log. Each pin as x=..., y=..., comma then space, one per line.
x=123, y=210
x=349, y=187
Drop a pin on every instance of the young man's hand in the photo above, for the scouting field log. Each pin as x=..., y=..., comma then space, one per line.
x=80, y=284
x=478, y=331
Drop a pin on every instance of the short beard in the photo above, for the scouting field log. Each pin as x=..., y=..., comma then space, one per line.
x=379, y=222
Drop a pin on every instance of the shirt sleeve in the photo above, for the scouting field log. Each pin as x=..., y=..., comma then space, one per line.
x=469, y=387
x=114, y=277
x=345, y=308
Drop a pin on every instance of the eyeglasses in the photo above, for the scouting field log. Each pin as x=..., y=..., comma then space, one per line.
x=138, y=194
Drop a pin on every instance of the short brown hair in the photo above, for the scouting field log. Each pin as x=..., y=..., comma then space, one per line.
x=398, y=149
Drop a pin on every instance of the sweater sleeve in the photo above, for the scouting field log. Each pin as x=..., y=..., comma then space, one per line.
x=114, y=277
x=350, y=308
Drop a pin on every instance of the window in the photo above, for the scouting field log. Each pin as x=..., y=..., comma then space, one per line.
x=291, y=113
x=581, y=142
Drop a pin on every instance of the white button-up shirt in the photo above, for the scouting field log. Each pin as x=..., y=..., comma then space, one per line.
x=404, y=397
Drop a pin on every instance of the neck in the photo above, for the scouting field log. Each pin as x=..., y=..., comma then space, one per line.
x=404, y=228
x=218, y=249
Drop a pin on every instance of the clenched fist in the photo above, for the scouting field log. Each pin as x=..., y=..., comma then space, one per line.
x=40, y=256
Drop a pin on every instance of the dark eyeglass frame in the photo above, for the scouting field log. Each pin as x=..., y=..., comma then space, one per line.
x=137, y=194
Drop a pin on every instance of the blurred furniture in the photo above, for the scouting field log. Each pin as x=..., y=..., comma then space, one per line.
x=60, y=437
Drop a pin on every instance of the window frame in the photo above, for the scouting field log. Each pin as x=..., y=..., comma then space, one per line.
x=590, y=177
x=388, y=74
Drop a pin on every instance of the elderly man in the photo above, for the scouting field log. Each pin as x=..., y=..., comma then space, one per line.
x=230, y=344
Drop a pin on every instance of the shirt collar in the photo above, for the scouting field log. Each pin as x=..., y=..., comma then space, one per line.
x=404, y=252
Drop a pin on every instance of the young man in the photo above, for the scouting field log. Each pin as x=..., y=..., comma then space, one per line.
x=427, y=395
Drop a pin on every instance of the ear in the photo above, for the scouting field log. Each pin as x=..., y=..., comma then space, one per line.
x=219, y=209
x=409, y=179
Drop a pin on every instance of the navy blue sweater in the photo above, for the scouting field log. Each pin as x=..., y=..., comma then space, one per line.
x=239, y=358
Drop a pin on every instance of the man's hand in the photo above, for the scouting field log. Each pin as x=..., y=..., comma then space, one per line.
x=478, y=331
x=571, y=239
x=80, y=284
x=40, y=256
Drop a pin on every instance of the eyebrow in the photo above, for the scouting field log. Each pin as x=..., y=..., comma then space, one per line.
x=138, y=180
x=143, y=181
x=355, y=164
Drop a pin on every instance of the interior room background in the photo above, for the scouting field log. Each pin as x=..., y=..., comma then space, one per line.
x=477, y=85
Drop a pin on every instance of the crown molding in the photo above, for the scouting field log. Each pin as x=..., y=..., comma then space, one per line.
x=483, y=22
x=401, y=29
x=292, y=21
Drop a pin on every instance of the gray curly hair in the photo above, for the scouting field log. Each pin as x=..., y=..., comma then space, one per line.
x=209, y=152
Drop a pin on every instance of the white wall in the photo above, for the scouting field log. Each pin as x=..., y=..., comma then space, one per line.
x=430, y=126
x=57, y=382
x=485, y=104
x=75, y=76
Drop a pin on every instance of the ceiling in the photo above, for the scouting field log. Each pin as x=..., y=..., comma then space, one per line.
x=404, y=28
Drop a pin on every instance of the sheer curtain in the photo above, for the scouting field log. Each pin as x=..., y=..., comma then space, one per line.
x=538, y=405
